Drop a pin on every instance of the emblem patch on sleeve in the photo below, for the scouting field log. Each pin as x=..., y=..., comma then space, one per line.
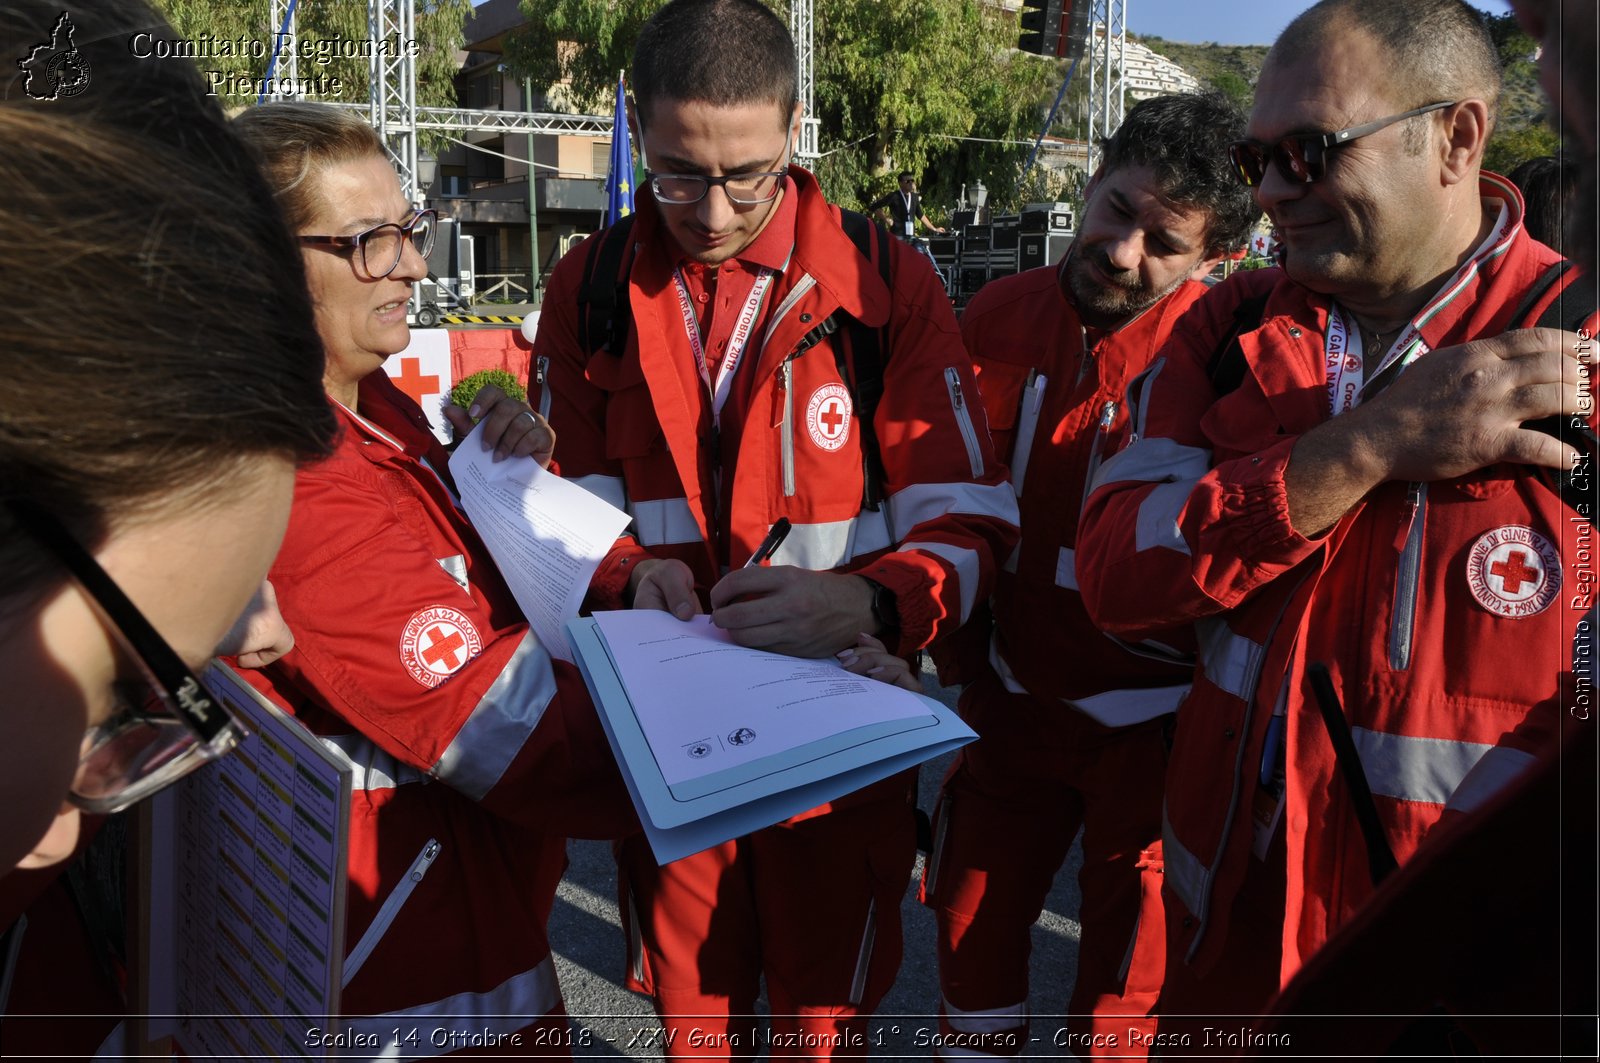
x=1514, y=571
x=436, y=642
x=828, y=416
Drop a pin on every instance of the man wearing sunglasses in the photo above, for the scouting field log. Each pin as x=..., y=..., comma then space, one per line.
x=730, y=405
x=1346, y=490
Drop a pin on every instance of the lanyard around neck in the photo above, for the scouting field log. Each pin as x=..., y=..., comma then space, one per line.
x=744, y=325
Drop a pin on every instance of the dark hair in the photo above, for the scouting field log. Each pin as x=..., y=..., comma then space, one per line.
x=201, y=352
x=721, y=52
x=904, y=174
x=1438, y=50
x=298, y=140
x=1548, y=185
x=1183, y=139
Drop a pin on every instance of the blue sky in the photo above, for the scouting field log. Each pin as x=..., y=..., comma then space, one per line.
x=1229, y=21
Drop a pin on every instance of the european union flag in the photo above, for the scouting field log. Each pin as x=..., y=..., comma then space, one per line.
x=619, y=182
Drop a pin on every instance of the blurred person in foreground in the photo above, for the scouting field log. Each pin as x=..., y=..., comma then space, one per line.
x=1073, y=723
x=163, y=381
x=1368, y=538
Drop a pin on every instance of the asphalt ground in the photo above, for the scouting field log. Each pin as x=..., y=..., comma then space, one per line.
x=609, y=1022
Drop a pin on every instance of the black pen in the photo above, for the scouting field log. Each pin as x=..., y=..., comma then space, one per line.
x=769, y=545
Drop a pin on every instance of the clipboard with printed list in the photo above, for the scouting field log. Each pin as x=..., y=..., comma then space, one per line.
x=717, y=740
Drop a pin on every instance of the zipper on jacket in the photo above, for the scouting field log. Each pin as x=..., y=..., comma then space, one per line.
x=1403, y=619
x=541, y=369
x=1108, y=415
x=786, y=385
x=390, y=909
x=969, y=434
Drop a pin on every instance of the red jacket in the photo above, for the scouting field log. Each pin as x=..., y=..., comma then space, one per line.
x=413, y=660
x=1054, y=395
x=636, y=428
x=1447, y=672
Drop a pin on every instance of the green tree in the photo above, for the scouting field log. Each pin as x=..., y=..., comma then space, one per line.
x=328, y=27
x=936, y=87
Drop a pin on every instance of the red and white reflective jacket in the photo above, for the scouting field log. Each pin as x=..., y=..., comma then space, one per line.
x=635, y=429
x=474, y=754
x=1444, y=611
x=1054, y=396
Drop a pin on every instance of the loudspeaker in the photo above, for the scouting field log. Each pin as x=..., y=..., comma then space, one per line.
x=1039, y=220
x=943, y=247
x=1042, y=249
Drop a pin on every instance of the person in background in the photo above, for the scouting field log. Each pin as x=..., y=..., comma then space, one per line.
x=163, y=382
x=1369, y=460
x=1548, y=185
x=904, y=207
x=1073, y=723
x=731, y=405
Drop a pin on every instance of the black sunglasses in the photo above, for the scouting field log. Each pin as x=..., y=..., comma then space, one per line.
x=382, y=245
x=160, y=731
x=1302, y=158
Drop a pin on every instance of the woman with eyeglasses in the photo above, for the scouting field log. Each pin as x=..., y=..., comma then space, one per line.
x=161, y=385
x=474, y=753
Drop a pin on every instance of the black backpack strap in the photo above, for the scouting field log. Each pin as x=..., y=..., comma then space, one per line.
x=603, y=311
x=1227, y=366
x=866, y=357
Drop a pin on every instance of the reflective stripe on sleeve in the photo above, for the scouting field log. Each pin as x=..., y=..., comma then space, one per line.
x=1067, y=569
x=830, y=544
x=1231, y=662
x=1415, y=769
x=1158, y=518
x=1497, y=769
x=515, y=1003
x=1183, y=872
x=610, y=488
x=664, y=522
x=1154, y=461
x=966, y=564
x=910, y=506
x=500, y=723
x=370, y=767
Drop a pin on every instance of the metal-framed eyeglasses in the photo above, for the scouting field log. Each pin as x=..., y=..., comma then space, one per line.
x=1302, y=158
x=381, y=246
x=164, y=724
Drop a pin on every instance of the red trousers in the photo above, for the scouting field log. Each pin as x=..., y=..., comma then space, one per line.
x=1011, y=806
x=813, y=906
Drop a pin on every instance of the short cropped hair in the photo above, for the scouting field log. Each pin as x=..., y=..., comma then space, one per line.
x=721, y=52
x=904, y=174
x=1183, y=139
x=1439, y=49
x=298, y=141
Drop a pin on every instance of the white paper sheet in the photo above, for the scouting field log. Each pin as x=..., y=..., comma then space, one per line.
x=547, y=535
x=707, y=704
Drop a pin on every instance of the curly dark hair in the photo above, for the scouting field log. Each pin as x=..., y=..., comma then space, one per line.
x=1183, y=139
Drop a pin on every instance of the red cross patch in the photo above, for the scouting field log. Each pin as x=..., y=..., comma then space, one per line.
x=1514, y=571
x=828, y=416
x=436, y=642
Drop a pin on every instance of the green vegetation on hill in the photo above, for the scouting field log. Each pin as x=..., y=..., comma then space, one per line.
x=1232, y=68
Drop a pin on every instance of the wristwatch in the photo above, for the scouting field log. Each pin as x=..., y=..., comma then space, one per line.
x=885, y=610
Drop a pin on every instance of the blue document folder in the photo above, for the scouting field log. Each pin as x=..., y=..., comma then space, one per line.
x=693, y=815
